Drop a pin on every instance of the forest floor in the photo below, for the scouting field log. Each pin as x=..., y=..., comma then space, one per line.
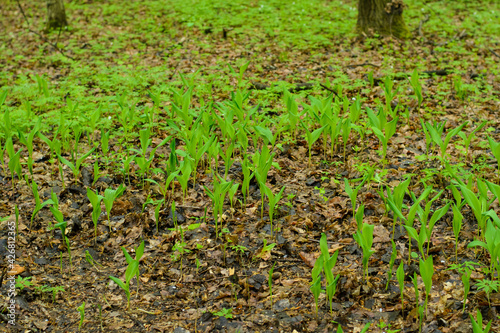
x=136, y=84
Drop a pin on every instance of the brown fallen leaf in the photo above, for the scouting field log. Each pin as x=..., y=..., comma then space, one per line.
x=381, y=234
x=309, y=258
x=16, y=270
x=120, y=207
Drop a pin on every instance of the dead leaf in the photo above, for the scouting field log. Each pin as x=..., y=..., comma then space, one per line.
x=16, y=270
x=309, y=258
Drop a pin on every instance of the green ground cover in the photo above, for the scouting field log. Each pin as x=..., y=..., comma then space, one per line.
x=250, y=166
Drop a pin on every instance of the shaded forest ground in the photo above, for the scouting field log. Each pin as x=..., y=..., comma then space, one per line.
x=184, y=69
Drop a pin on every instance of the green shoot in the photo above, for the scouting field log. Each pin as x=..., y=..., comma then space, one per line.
x=435, y=134
x=75, y=168
x=391, y=263
x=477, y=326
x=346, y=130
x=109, y=198
x=38, y=204
x=495, y=150
x=131, y=271
x=273, y=202
x=328, y=264
x=427, y=271
x=95, y=200
x=270, y=283
x=488, y=286
x=62, y=226
x=400, y=275
x=468, y=138
x=466, y=282
x=139, y=251
x=364, y=238
x=417, y=87
x=457, y=225
x=353, y=193
x=383, y=129
x=81, y=309
x=311, y=137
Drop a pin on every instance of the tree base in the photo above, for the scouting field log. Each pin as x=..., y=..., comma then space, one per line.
x=383, y=17
x=56, y=15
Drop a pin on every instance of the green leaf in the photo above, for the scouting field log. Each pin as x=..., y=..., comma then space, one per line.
x=3, y=96
x=131, y=270
x=67, y=163
x=139, y=251
x=316, y=134
x=473, y=202
x=58, y=215
x=359, y=216
x=119, y=282
x=400, y=275
x=318, y=266
x=495, y=148
x=128, y=257
x=82, y=158
x=450, y=135
x=323, y=246
x=477, y=243
x=426, y=271
x=395, y=209
x=438, y=215
x=412, y=232
x=494, y=188
x=375, y=122
x=94, y=198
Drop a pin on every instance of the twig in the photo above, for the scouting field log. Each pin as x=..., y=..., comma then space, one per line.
x=329, y=89
x=439, y=17
x=42, y=37
x=439, y=72
x=422, y=22
x=363, y=64
x=3, y=275
x=207, y=280
x=189, y=207
x=494, y=53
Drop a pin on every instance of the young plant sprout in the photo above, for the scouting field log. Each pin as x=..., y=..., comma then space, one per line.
x=328, y=265
x=95, y=200
x=38, y=204
x=400, y=275
x=495, y=150
x=218, y=194
x=477, y=326
x=457, y=225
x=270, y=283
x=353, y=193
x=466, y=282
x=391, y=263
x=312, y=137
x=81, y=309
x=109, y=198
x=382, y=128
x=364, y=238
x=273, y=202
x=132, y=268
x=139, y=251
x=427, y=271
x=14, y=161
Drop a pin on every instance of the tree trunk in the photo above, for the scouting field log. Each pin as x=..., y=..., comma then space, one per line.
x=56, y=15
x=384, y=17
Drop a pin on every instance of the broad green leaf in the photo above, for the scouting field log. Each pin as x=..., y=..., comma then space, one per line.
x=119, y=282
